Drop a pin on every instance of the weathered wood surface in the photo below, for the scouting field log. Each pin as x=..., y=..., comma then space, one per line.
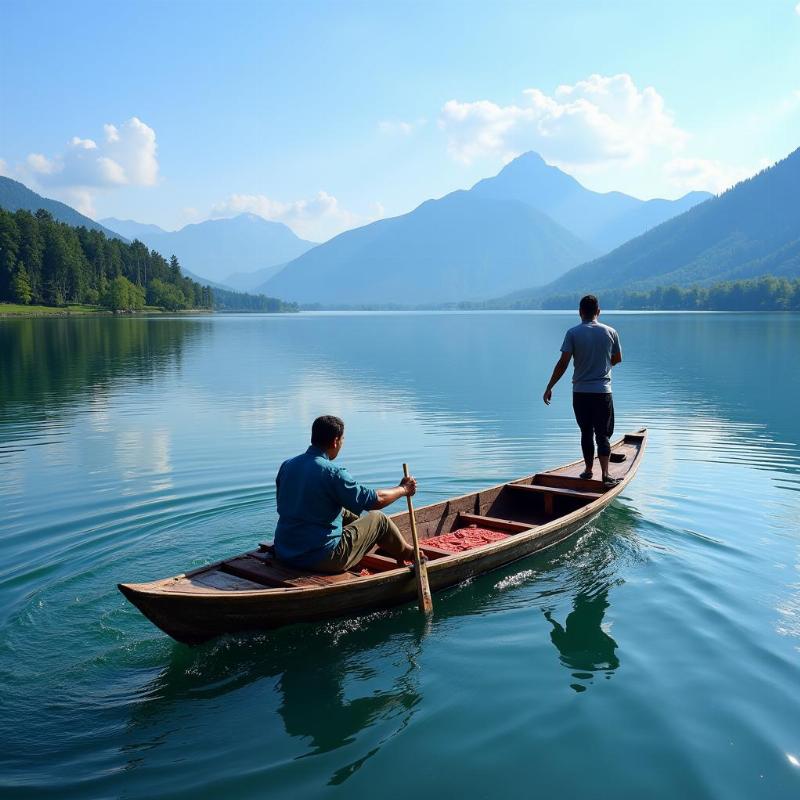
x=235, y=594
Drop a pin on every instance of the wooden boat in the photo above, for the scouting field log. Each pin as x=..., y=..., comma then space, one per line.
x=254, y=591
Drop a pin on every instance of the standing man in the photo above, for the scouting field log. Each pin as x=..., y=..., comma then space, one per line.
x=595, y=348
x=319, y=507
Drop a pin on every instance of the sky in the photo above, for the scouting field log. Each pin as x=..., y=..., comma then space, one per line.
x=328, y=115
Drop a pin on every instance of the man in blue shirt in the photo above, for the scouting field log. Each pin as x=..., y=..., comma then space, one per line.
x=313, y=492
x=595, y=348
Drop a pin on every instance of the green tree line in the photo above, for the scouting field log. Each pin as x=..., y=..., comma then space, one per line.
x=47, y=262
x=757, y=294
x=241, y=301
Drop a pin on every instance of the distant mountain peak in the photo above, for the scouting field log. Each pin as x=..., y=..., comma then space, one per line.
x=131, y=228
x=602, y=219
x=530, y=157
x=218, y=247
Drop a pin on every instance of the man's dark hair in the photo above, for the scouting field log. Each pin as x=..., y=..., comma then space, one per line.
x=325, y=430
x=589, y=306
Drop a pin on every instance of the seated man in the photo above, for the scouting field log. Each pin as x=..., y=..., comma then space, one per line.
x=313, y=492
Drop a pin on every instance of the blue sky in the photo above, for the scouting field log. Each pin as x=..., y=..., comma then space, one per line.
x=327, y=115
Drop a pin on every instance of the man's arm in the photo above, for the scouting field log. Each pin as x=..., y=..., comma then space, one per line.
x=406, y=488
x=558, y=371
x=616, y=350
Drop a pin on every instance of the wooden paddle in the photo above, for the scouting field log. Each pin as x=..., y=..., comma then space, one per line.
x=421, y=569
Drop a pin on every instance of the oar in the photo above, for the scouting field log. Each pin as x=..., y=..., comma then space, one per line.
x=421, y=569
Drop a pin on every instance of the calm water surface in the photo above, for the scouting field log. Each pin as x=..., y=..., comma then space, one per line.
x=656, y=654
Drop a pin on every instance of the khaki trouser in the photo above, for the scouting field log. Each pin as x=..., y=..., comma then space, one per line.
x=359, y=535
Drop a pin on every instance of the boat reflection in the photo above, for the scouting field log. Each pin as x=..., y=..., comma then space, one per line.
x=330, y=720
x=329, y=694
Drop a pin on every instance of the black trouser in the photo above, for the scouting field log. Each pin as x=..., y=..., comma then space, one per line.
x=594, y=412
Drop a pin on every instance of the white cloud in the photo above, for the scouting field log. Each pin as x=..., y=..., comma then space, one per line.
x=797, y=9
x=790, y=103
x=318, y=218
x=399, y=127
x=690, y=174
x=594, y=121
x=41, y=164
x=126, y=156
x=605, y=131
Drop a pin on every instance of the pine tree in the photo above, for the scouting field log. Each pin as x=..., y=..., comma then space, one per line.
x=21, y=286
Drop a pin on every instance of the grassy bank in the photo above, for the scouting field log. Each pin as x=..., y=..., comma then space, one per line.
x=17, y=310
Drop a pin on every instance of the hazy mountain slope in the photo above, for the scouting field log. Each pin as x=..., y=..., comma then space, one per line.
x=218, y=248
x=15, y=195
x=752, y=229
x=252, y=281
x=132, y=229
x=604, y=220
x=461, y=246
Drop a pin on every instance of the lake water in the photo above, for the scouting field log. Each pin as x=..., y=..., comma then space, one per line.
x=656, y=654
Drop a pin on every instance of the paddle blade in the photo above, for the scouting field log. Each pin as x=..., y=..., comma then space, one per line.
x=424, y=589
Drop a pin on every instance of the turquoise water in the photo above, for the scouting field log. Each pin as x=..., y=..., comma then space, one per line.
x=656, y=654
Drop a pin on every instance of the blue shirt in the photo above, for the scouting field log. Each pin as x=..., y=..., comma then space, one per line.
x=312, y=491
x=591, y=345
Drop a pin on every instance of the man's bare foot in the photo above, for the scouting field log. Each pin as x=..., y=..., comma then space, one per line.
x=408, y=555
x=586, y=474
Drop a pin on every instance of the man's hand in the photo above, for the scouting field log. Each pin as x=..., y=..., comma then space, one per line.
x=410, y=485
x=386, y=497
x=559, y=369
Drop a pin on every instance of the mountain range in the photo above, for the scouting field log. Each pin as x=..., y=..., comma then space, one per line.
x=218, y=248
x=462, y=246
x=528, y=224
x=752, y=229
x=604, y=220
x=531, y=225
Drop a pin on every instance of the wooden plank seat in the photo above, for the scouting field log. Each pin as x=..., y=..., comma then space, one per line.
x=212, y=579
x=557, y=490
x=266, y=570
x=557, y=481
x=494, y=523
x=549, y=493
x=376, y=562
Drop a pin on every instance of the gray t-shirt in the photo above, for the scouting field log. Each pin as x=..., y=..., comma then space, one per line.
x=591, y=345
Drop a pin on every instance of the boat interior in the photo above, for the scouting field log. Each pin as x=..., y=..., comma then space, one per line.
x=445, y=529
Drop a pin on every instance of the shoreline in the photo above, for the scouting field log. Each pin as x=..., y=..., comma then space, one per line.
x=16, y=311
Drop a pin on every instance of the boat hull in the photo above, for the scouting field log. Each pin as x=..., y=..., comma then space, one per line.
x=193, y=614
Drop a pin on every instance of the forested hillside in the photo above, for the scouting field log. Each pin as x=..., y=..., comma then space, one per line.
x=751, y=230
x=762, y=294
x=15, y=196
x=51, y=263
